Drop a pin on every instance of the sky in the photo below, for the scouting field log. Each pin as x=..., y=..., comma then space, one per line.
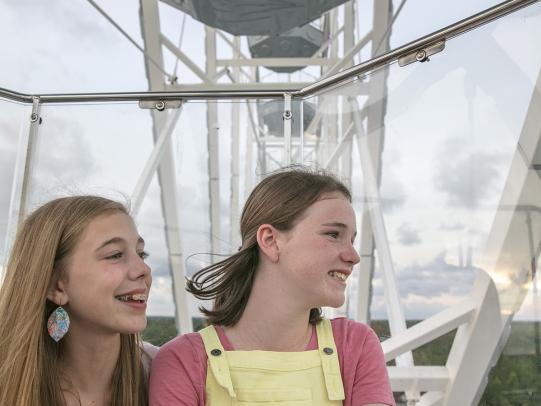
x=452, y=127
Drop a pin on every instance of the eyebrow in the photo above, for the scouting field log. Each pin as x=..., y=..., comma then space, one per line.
x=118, y=240
x=336, y=224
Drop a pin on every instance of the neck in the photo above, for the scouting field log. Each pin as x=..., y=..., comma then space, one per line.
x=269, y=324
x=88, y=361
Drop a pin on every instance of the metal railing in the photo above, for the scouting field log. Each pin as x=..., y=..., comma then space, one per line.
x=444, y=34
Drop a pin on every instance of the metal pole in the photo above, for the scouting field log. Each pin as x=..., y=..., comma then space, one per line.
x=287, y=116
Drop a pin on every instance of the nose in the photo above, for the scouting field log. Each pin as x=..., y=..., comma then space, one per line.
x=139, y=268
x=350, y=255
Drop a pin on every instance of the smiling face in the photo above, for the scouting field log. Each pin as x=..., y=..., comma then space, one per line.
x=105, y=280
x=317, y=254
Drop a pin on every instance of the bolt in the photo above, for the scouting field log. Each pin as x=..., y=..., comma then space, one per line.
x=421, y=55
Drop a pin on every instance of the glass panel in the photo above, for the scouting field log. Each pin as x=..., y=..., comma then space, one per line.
x=102, y=149
x=446, y=170
x=14, y=119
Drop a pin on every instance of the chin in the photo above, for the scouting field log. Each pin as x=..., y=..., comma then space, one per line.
x=134, y=327
x=335, y=302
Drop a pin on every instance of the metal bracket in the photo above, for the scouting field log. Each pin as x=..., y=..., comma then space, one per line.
x=160, y=105
x=287, y=115
x=421, y=55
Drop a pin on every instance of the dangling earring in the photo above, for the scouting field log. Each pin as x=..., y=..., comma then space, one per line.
x=58, y=324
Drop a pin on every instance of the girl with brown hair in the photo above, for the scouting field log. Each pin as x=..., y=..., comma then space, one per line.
x=267, y=342
x=72, y=302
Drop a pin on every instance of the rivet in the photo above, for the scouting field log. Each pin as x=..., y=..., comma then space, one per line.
x=328, y=350
x=160, y=106
x=33, y=117
x=216, y=352
x=421, y=55
x=287, y=115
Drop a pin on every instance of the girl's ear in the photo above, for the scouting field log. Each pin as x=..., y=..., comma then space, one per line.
x=267, y=241
x=57, y=292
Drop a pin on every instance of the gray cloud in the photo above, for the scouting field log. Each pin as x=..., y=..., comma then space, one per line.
x=427, y=288
x=435, y=277
x=468, y=180
x=407, y=235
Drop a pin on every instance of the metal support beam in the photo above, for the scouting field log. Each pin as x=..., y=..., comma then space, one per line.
x=288, y=118
x=213, y=146
x=150, y=23
x=161, y=144
x=397, y=321
x=20, y=187
x=234, y=217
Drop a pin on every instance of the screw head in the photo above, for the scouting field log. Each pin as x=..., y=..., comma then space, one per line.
x=421, y=55
x=34, y=117
x=287, y=114
x=160, y=106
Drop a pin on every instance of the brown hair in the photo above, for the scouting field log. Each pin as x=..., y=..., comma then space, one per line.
x=279, y=200
x=29, y=370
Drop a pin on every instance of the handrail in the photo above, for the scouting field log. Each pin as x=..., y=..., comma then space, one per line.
x=446, y=33
x=453, y=30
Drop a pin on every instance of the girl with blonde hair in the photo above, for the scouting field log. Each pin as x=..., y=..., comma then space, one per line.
x=268, y=343
x=72, y=302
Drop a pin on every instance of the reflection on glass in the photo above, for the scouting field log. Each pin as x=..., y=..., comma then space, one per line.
x=14, y=119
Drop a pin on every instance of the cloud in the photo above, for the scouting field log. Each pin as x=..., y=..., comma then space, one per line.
x=426, y=289
x=408, y=235
x=467, y=180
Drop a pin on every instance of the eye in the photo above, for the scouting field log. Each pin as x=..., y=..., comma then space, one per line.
x=333, y=234
x=116, y=255
x=143, y=255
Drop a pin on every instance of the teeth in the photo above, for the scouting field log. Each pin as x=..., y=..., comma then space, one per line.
x=141, y=297
x=338, y=275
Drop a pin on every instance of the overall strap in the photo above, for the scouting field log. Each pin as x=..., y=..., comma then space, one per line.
x=329, y=360
x=217, y=359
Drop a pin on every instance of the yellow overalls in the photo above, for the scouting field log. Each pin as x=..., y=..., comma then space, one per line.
x=269, y=378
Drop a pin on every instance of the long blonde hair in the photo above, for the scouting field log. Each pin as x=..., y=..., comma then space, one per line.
x=29, y=370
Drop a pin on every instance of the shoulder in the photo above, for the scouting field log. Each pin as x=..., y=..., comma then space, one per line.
x=182, y=346
x=348, y=331
x=147, y=355
x=178, y=372
x=150, y=349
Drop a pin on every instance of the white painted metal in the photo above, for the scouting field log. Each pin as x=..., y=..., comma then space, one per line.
x=429, y=329
x=161, y=144
x=213, y=146
x=422, y=378
x=397, y=320
x=374, y=113
x=150, y=23
x=277, y=62
x=343, y=146
x=233, y=87
x=20, y=186
x=205, y=77
x=288, y=119
x=234, y=236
